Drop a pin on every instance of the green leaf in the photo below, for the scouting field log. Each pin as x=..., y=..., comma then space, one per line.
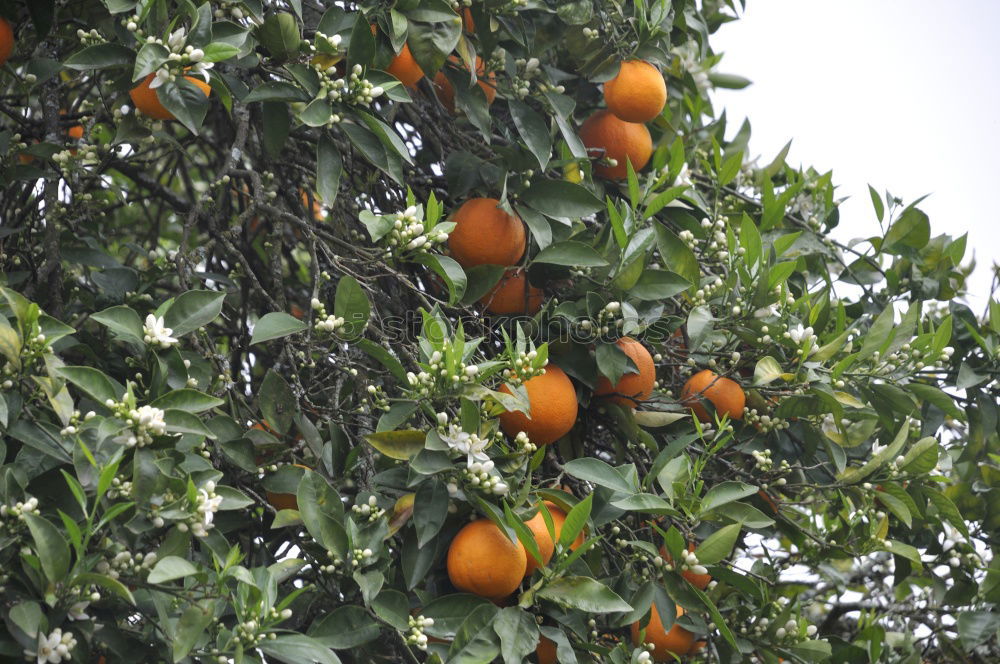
x=123, y=321
x=877, y=203
x=113, y=585
x=974, y=627
x=51, y=547
x=594, y=470
x=677, y=256
x=181, y=421
x=719, y=545
x=329, y=167
x=170, y=568
x=92, y=381
x=430, y=509
x=575, y=521
x=219, y=51
x=345, y=628
x=890, y=451
x=277, y=402
x=192, y=310
x=449, y=270
x=584, y=594
x=726, y=492
x=476, y=642
x=658, y=285
x=767, y=371
x=947, y=509
x=361, y=50
x=275, y=325
x=188, y=400
x=298, y=649
x=571, y=253
x=186, y=101
x=518, y=634
x=449, y=612
x=561, y=199
x=922, y=457
x=401, y=445
x=279, y=34
x=101, y=56
x=911, y=231
x=532, y=128
x=277, y=91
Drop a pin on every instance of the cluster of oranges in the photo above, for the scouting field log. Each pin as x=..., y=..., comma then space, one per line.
x=637, y=94
x=406, y=68
x=485, y=234
x=482, y=560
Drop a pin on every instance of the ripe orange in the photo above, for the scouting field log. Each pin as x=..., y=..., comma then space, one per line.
x=6, y=40
x=558, y=519
x=724, y=393
x=76, y=131
x=545, y=652
x=699, y=581
x=446, y=92
x=553, y=404
x=513, y=295
x=631, y=388
x=148, y=103
x=546, y=546
x=486, y=235
x=284, y=501
x=483, y=561
x=405, y=68
x=317, y=207
x=607, y=136
x=637, y=93
x=677, y=641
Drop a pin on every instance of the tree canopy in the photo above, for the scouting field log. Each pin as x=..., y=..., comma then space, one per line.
x=464, y=332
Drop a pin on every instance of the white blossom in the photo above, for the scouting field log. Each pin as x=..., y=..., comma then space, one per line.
x=466, y=443
x=156, y=333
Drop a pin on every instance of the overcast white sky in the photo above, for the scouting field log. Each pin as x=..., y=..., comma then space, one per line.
x=902, y=94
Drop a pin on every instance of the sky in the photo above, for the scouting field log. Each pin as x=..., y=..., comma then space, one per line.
x=900, y=94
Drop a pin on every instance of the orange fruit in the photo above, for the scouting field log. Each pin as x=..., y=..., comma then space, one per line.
x=724, y=393
x=6, y=40
x=546, y=546
x=317, y=207
x=486, y=235
x=553, y=404
x=468, y=23
x=637, y=93
x=513, y=295
x=148, y=103
x=605, y=135
x=284, y=501
x=545, y=651
x=76, y=131
x=446, y=93
x=677, y=641
x=297, y=311
x=405, y=68
x=698, y=646
x=631, y=388
x=699, y=581
x=483, y=561
x=558, y=519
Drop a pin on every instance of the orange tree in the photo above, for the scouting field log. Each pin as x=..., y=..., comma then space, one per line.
x=305, y=362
